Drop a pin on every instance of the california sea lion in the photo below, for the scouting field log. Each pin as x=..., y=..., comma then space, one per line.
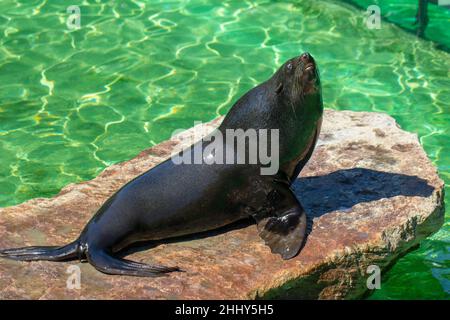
x=178, y=199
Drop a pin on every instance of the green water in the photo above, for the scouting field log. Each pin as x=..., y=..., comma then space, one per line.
x=75, y=101
x=403, y=13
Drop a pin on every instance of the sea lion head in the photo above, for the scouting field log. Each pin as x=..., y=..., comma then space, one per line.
x=298, y=110
x=298, y=81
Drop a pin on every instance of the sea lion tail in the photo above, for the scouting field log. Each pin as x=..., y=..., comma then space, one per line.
x=63, y=253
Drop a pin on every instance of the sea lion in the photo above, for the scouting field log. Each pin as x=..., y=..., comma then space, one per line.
x=172, y=199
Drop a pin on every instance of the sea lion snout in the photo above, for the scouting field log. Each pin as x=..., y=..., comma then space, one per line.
x=306, y=57
x=309, y=71
x=307, y=61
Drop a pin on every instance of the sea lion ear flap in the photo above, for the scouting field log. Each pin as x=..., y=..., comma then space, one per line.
x=284, y=232
x=279, y=88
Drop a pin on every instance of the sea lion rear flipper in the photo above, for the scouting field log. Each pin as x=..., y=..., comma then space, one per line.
x=63, y=253
x=282, y=224
x=106, y=263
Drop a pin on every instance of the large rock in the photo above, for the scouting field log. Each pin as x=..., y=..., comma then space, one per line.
x=369, y=187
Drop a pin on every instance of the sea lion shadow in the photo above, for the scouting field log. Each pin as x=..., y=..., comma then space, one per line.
x=319, y=195
x=342, y=189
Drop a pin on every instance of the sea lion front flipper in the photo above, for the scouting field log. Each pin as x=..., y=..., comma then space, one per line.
x=282, y=224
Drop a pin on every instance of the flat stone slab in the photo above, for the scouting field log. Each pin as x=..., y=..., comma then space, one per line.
x=369, y=188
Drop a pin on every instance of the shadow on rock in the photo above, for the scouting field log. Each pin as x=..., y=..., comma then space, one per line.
x=343, y=189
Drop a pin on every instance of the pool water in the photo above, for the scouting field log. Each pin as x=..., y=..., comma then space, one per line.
x=403, y=13
x=75, y=101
